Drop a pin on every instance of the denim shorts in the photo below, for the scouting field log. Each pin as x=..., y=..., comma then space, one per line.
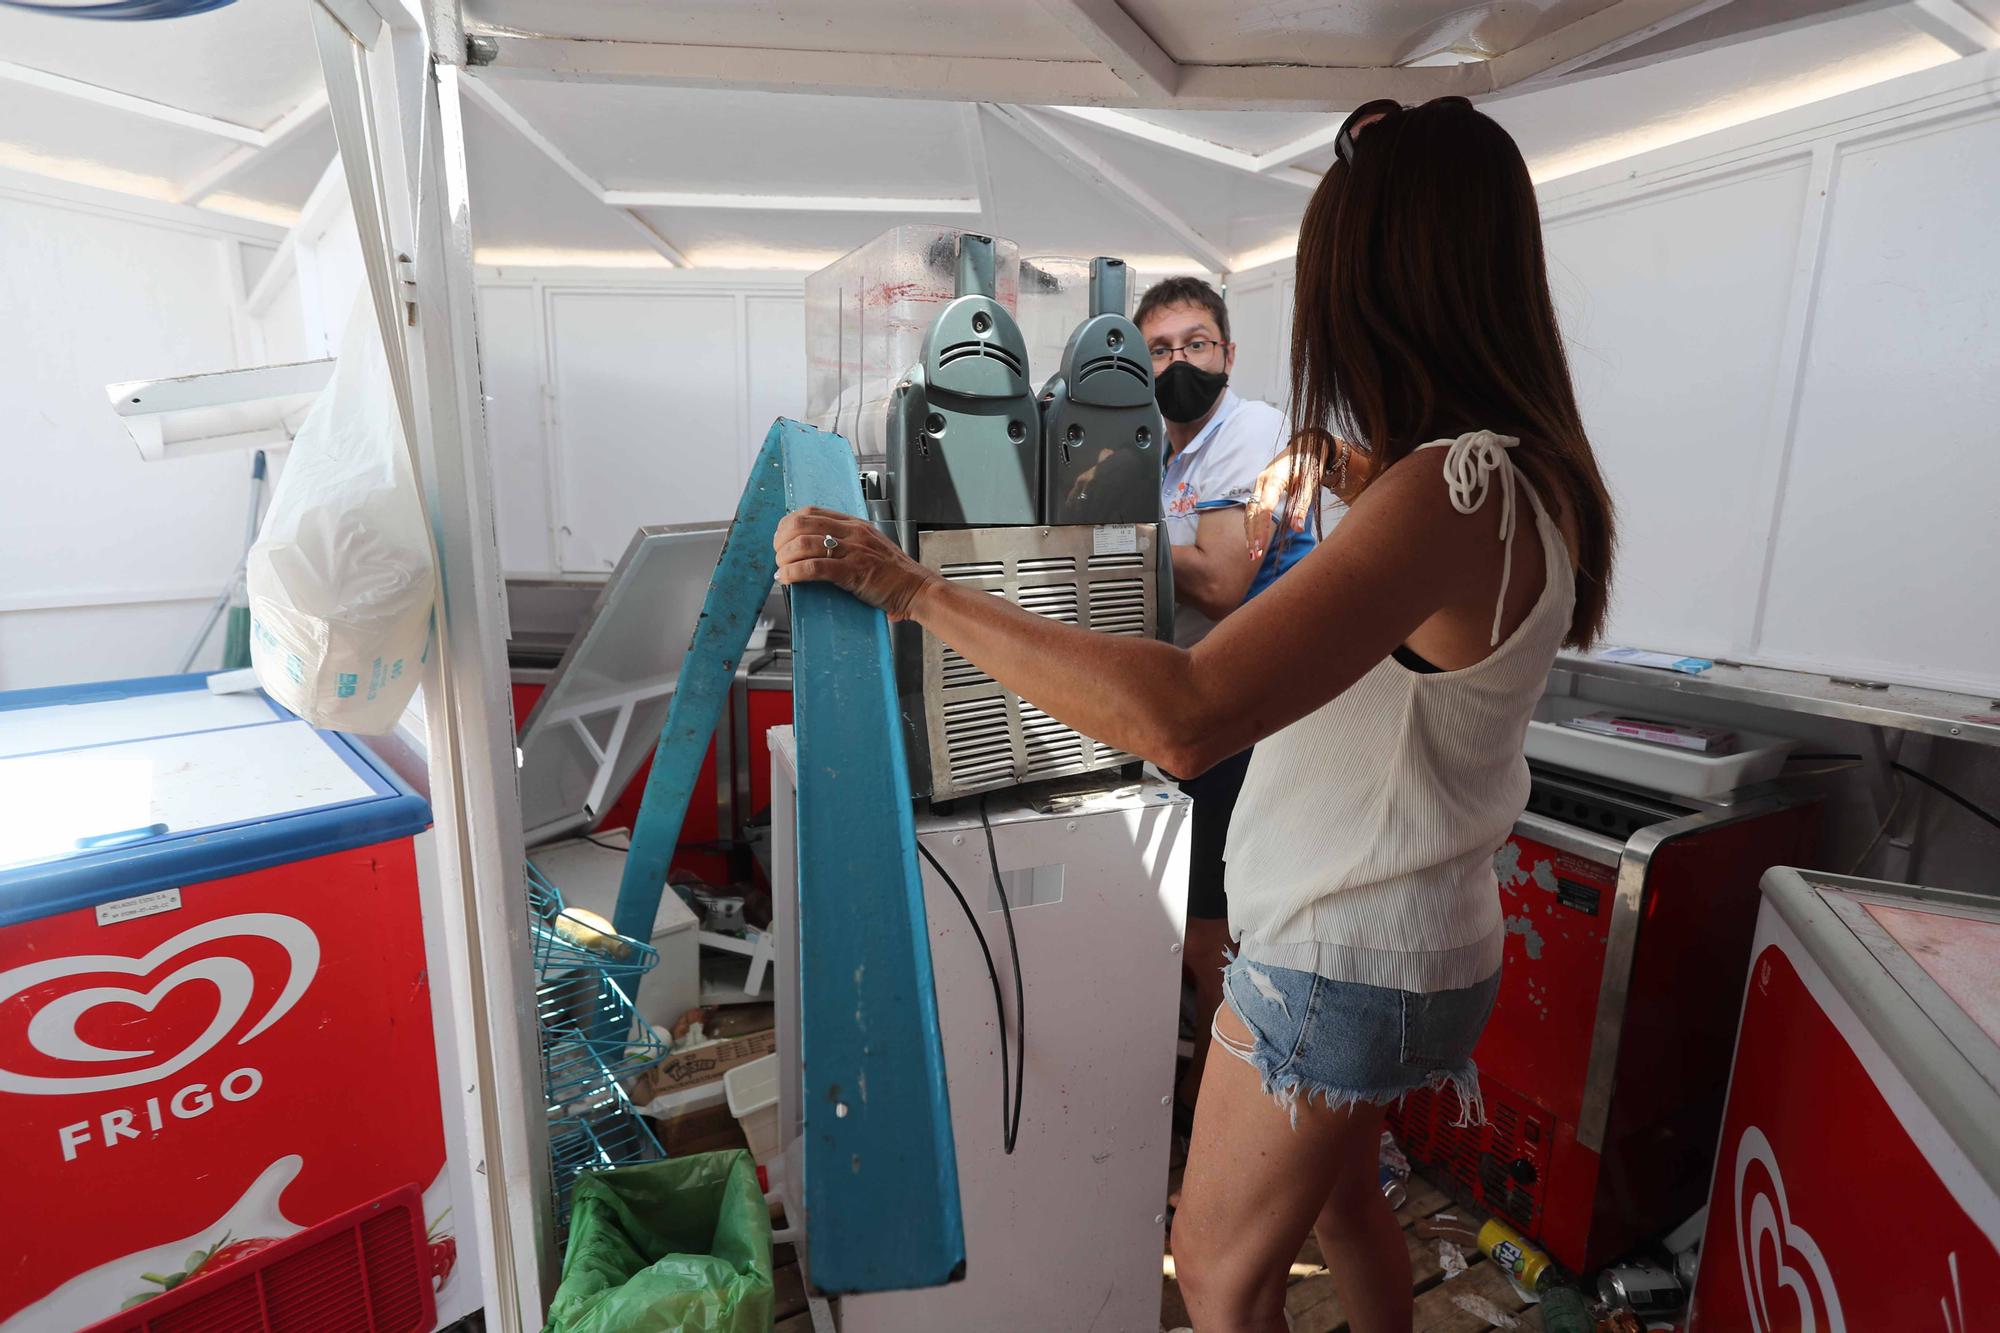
x=1343, y=1042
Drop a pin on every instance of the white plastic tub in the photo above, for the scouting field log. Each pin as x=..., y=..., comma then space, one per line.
x=1661, y=768
x=752, y=1090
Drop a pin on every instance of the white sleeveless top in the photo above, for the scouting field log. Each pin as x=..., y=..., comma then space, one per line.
x=1362, y=845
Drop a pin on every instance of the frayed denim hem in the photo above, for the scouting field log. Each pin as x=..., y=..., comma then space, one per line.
x=1288, y=1090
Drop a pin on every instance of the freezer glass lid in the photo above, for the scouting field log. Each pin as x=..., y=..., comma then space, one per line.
x=1956, y=949
x=67, y=802
x=602, y=712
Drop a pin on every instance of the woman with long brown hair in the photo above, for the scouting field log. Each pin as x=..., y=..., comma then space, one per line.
x=1387, y=681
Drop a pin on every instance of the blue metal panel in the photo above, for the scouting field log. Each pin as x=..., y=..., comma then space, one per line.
x=881, y=1171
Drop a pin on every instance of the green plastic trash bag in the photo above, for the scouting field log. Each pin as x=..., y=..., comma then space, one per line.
x=680, y=1246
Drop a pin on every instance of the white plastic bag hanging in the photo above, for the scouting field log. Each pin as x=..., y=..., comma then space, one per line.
x=341, y=579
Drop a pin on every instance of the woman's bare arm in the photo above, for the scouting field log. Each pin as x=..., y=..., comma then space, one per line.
x=1400, y=557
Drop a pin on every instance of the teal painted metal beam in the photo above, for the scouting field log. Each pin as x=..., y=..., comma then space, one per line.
x=881, y=1170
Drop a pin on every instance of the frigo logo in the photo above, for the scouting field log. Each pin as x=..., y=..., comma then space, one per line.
x=52, y=1029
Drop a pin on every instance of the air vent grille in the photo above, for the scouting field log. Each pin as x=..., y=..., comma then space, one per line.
x=367, y=1270
x=979, y=348
x=981, y=737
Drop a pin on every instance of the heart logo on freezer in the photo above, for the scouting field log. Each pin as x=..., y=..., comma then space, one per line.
x=52, y=1030
x=1765, y=1232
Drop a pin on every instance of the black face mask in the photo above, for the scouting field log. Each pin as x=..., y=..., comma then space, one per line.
x=1185, y=392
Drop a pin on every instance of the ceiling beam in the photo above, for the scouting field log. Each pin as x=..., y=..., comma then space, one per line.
x=982, y=170
x=1139, y=78
x=966, y=78
x=236, y=161
x=1115, y=38
x=650, y=234
x=502, y=110
x=1955, y=25
x=1644, y=54
x=1313, y=141
x=1594, y=37
x=1101, y=175
x=1192, y=145
x=785, y=203
x=126, y=102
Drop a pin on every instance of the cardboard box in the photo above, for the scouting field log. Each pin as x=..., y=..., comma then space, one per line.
x=705, y=1063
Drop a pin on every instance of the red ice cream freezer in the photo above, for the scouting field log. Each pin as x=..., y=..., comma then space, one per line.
x=1857, y=1181
x=216, y=1018
x=1629, y=916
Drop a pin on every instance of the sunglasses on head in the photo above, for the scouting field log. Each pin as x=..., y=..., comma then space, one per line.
x=1367, y=114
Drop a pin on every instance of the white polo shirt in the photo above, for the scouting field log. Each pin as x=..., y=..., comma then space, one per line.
x=1217, y=470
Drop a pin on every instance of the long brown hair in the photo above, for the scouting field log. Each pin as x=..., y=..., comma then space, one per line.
x=1422, y=312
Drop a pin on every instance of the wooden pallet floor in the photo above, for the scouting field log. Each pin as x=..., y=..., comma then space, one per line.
x=1443, y=1306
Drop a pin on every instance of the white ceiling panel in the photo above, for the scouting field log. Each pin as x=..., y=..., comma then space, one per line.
x=685, y=139
x=248, y=62
x=1571, y=127
x=1212, y=198
x=1009, y=28
x=286, y=173
x=1360, y=32
x=1046, y=210
x=63, y=129
x=523, y=206
x=1250, y=132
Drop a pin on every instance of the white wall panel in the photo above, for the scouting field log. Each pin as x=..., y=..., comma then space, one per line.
x=774, y=353
x=1888, y=539
x=649, y=415
x=1674, y=309
x=1253, y=322
x=93, y=297
x=511, y=352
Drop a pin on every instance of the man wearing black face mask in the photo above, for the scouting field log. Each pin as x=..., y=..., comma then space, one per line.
x=1217, y=443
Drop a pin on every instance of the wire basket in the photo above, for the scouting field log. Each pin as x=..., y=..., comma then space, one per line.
x=579, y=1058
x=556, y=953
x=592, y=1039
x=613, y=1135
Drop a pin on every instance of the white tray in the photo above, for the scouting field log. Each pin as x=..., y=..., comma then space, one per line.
x=1655, y=767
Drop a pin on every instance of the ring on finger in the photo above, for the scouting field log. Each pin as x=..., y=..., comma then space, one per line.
x=831, y=542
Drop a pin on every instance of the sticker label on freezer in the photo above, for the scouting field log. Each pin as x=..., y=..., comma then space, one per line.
x=146, y=904
x=1114, y=539
x=1578, y=897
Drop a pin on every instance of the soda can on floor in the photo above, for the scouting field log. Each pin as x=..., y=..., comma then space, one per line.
x=1643, y=1289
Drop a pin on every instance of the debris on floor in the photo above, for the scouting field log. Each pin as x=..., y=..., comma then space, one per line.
x=1481, y=1308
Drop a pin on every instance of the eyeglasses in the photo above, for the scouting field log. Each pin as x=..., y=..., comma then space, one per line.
x=1368, y=113
x=1195, y=349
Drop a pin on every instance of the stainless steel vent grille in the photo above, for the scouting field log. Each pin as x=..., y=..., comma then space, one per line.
x=982, y=737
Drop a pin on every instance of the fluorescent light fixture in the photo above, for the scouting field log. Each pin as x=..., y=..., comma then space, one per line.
x=80, y=171
x=551, y=256
x=773, y=259
x=1269, y=254
x=1908, y=57
x=256, y=210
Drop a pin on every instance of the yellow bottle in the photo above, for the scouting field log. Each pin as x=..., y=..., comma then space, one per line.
x=1510, y=1249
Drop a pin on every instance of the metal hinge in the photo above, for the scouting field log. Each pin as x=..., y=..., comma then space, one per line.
x=406, y=274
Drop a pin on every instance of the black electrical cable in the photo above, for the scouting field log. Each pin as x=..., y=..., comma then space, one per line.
x=999, y=1006
x=1948, y=793
x=1020, y=999
x=1924, y=778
